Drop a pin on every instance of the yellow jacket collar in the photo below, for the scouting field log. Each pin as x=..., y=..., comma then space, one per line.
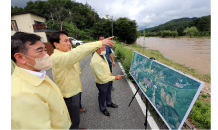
x=57, y=51
x=99, y=57
x=36, y=81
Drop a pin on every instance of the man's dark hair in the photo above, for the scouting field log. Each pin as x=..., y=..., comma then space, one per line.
x=19, y=40
x=100, y=35
x=55, y=36
x=18, y=33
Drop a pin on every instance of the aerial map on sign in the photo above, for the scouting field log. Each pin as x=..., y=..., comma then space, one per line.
x=172, y=93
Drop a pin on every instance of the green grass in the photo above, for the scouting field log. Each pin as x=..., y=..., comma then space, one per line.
x=205, y=95
x=201, y=113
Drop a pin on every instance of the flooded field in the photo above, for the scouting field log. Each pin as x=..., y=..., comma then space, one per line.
x=194, y=53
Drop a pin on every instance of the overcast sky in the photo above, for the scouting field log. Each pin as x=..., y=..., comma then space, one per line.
x=147, y=13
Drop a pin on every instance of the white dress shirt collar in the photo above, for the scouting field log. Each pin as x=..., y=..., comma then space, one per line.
x=40, y=74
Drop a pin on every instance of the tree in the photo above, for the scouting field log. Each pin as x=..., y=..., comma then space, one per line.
x=73, y=31
x=180, y=30
x=103, y=26
x=37, y=6
x=204, y=24
x=148, y=34
x=59, y=15
x=190, y=31
x=16, y=9
x=174, y=33
x=125, y=29
x=165, y=33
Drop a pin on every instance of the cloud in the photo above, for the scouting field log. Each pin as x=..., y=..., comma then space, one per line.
x=147, y=13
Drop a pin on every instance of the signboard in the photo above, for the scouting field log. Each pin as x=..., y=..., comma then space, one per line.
x=171, y=92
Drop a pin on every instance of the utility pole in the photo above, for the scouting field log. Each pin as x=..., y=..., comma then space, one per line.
x=112, y=25
x=112, y=22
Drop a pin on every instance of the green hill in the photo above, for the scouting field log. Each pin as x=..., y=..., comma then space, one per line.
x=171, y=25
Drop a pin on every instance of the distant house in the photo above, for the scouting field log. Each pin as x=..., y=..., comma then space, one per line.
x=31, y=22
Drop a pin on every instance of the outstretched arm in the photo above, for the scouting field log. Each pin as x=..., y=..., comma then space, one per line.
x=69, y=58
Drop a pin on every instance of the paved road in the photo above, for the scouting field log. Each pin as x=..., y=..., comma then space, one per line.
x=123, y=117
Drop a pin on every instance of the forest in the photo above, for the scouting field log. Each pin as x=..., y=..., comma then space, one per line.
x=183, y=26
x=81, y=21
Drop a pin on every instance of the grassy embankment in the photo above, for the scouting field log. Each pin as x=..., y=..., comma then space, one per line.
x=200, y=113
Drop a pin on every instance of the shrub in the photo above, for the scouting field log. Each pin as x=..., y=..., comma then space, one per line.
x=165, y=33
x=206, y=34
x=119, y=52
x=127, y=62
x=174, y=33
x=124, y=56
x=201, y=113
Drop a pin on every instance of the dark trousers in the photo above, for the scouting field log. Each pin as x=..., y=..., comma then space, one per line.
x=73, y=109
x=111, y=72
x=104, y=95
x=80, y=104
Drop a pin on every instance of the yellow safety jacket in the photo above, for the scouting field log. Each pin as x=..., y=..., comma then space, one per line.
x=66, y=69
x=36, y=103
x=101, y=69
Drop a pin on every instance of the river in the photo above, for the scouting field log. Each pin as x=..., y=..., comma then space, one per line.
x=194, y=53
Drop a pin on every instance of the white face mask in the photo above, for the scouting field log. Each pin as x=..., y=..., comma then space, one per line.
x=103, y=52
x=43, y=63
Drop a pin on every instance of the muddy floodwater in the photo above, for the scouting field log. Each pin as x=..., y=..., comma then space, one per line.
x=194, y=53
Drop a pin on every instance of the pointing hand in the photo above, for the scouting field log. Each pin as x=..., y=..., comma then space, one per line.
x=108, y=42
x=118, y=77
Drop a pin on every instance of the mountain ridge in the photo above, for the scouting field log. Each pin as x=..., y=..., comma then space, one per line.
x=172, y=24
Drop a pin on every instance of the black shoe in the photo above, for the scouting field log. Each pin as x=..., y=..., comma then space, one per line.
x=112, y=105
x=105, y=112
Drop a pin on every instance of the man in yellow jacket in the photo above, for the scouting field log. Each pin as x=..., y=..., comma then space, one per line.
x=36, y=101
x=66, y=69
x=103, y=78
